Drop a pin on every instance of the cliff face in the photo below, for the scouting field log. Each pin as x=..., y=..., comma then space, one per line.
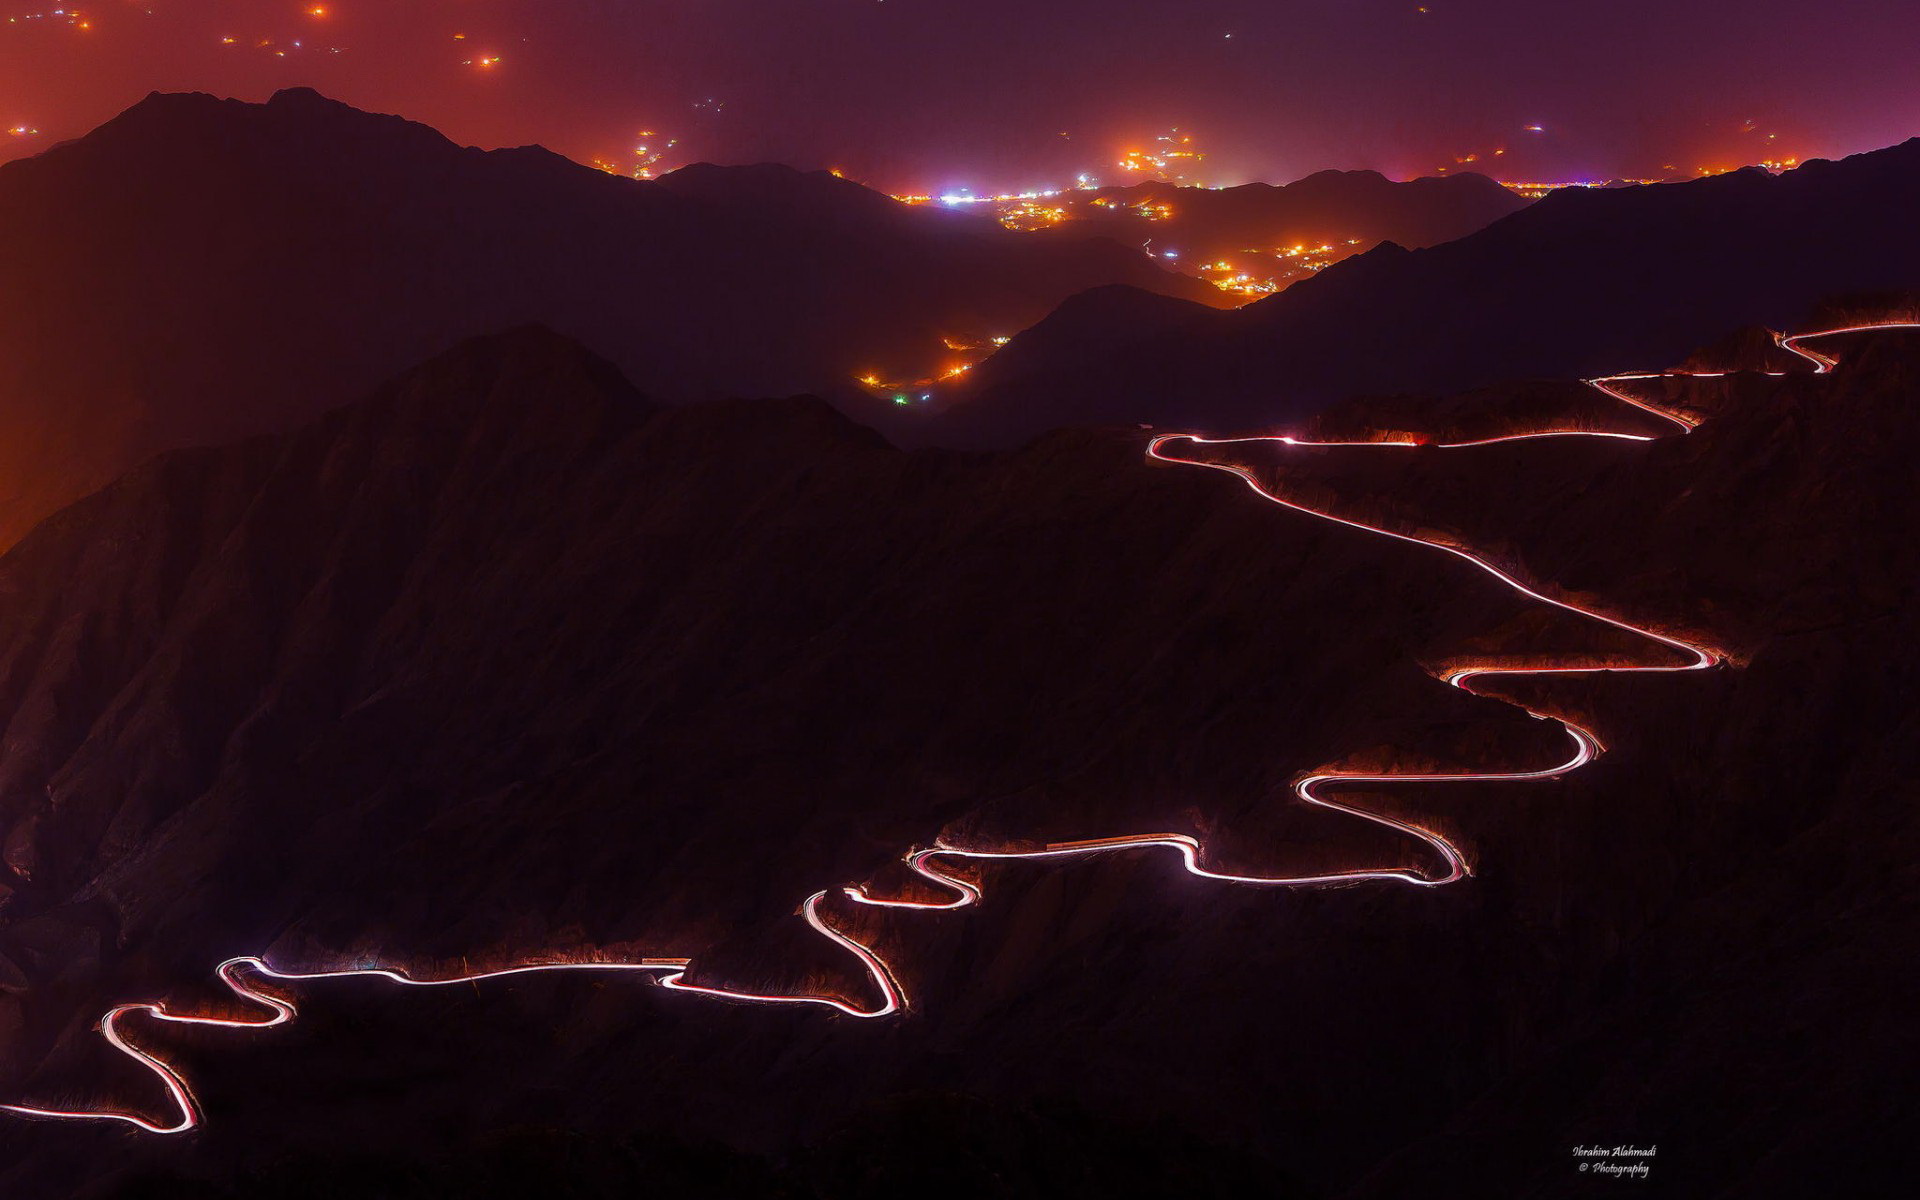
x=197, y=270
x=508, y=660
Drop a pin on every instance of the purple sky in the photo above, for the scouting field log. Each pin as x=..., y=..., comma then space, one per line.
x=936, y=94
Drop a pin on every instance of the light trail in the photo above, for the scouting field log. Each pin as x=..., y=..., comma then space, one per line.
x=1823, y=363
x=670, y=973
x=279, y=1012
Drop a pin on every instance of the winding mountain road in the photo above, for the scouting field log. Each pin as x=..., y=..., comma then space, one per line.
x=244, y=976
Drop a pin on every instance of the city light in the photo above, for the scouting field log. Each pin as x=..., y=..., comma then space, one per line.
x=1172, y=158
x=651, y=149
x=964, y=354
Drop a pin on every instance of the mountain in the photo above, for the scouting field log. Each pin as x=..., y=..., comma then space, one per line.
x=1274, y=235
x=1581, y=282
x=200, y=269
x=508, y=660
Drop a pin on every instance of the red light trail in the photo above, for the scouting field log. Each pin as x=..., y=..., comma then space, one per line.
x=671, y=972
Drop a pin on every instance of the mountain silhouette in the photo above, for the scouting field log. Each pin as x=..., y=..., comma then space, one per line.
x=199, y=269
x=1582, y=282
x=1342, y=208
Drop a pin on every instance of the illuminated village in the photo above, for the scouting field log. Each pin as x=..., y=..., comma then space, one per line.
x=1174, y=159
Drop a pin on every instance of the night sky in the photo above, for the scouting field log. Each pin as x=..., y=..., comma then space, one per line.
x=931, y=95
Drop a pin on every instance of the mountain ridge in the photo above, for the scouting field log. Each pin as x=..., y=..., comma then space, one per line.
x=1583, y=282
x=487, y=666
x=199, y=269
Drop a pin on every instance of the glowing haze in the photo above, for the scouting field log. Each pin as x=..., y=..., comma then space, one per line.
x=933, y=95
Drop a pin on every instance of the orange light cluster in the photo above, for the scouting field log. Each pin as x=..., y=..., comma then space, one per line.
x=1533, y=190
x=71, y=17
x=1172, y=157
x=284, y=47
x=1286, y=265
x=1029, y=215
x=1045, y=208
x=649, y=151
x=969, y=352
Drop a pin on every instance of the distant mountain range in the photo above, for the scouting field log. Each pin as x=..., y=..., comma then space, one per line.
x=1283, y=233
x=198, y=269
x=1584, y=281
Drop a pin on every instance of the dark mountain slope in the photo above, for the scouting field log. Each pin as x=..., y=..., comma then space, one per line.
x=199, y=269
x=1580, y=283
x=506, y=660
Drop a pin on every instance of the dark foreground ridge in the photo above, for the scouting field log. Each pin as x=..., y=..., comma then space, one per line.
x=244, y=975
x=347, y=693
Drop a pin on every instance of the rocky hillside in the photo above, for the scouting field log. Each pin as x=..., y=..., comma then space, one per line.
x=508, y=660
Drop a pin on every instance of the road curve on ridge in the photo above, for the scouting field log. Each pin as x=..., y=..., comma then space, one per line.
x=243, y=975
